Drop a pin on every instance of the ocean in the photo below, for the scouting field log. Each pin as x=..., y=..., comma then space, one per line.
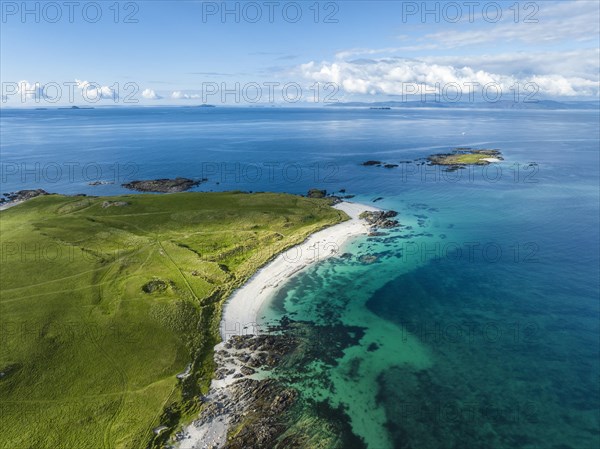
x=473, y=325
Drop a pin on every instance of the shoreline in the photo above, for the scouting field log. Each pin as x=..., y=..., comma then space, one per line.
x=9, y=204
x=240, y=311
x=230, y=396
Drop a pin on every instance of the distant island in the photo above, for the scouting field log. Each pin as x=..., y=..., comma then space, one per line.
x=163, y=185
x=457, y=159
x=78, y=107
x=502, y=104
x=466, y=156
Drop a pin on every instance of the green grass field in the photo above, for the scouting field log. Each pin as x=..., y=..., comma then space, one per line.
x=88, y=358
x=466, y=159
x=476, y=157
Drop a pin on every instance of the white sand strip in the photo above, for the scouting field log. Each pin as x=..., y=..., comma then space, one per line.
x=9, y=204
x=240, y=313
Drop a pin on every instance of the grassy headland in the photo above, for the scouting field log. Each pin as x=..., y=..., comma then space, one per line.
x=103, y=301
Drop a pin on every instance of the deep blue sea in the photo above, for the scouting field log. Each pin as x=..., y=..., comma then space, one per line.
x=474, y=325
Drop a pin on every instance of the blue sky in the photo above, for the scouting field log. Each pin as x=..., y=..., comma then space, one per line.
x=373, y=51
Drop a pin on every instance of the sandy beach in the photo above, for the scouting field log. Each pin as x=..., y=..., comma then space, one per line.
x=240, y=311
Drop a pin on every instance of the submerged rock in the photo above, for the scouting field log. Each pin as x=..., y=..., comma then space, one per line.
x=100, y=183
x=368, y=259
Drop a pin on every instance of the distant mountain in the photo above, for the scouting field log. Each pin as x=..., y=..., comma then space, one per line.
x=503, y=104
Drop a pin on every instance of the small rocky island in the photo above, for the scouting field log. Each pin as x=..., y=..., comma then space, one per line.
x=457, y=159
x=466, y=156
x=163, y=185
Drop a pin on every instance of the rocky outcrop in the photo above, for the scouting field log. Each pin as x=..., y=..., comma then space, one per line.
x=266, y=401
x=316, y=193
x=100, y=183
x=22, y=195
x=241, y=411
x=380, y=219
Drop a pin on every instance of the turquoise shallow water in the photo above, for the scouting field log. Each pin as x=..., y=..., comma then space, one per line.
x=474, y=326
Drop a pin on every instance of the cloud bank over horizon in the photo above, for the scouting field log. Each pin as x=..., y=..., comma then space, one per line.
x=390, y=76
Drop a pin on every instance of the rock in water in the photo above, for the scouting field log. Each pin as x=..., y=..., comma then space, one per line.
x=163, y=185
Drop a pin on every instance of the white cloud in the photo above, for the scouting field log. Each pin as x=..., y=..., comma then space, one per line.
x=24, y=90
x=92, y=91
x=54, y=92
x=570, y=69
x=394, y=76
x=149, y=94
x=583, y=63
x=560, y=86
x=558, y=51
x=179, y=95
x=574, y=22
x=553, y=22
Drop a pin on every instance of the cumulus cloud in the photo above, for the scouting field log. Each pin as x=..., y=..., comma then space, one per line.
x=582, y=63
x=556, y=49
x=29, y=91
x=149, y=94
x=391, y=76
x=571, y=71
x=23, y=91
x=560, y=86
x=179, y=95
x=388, y=76
x=92, y=91
x=53, y=92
